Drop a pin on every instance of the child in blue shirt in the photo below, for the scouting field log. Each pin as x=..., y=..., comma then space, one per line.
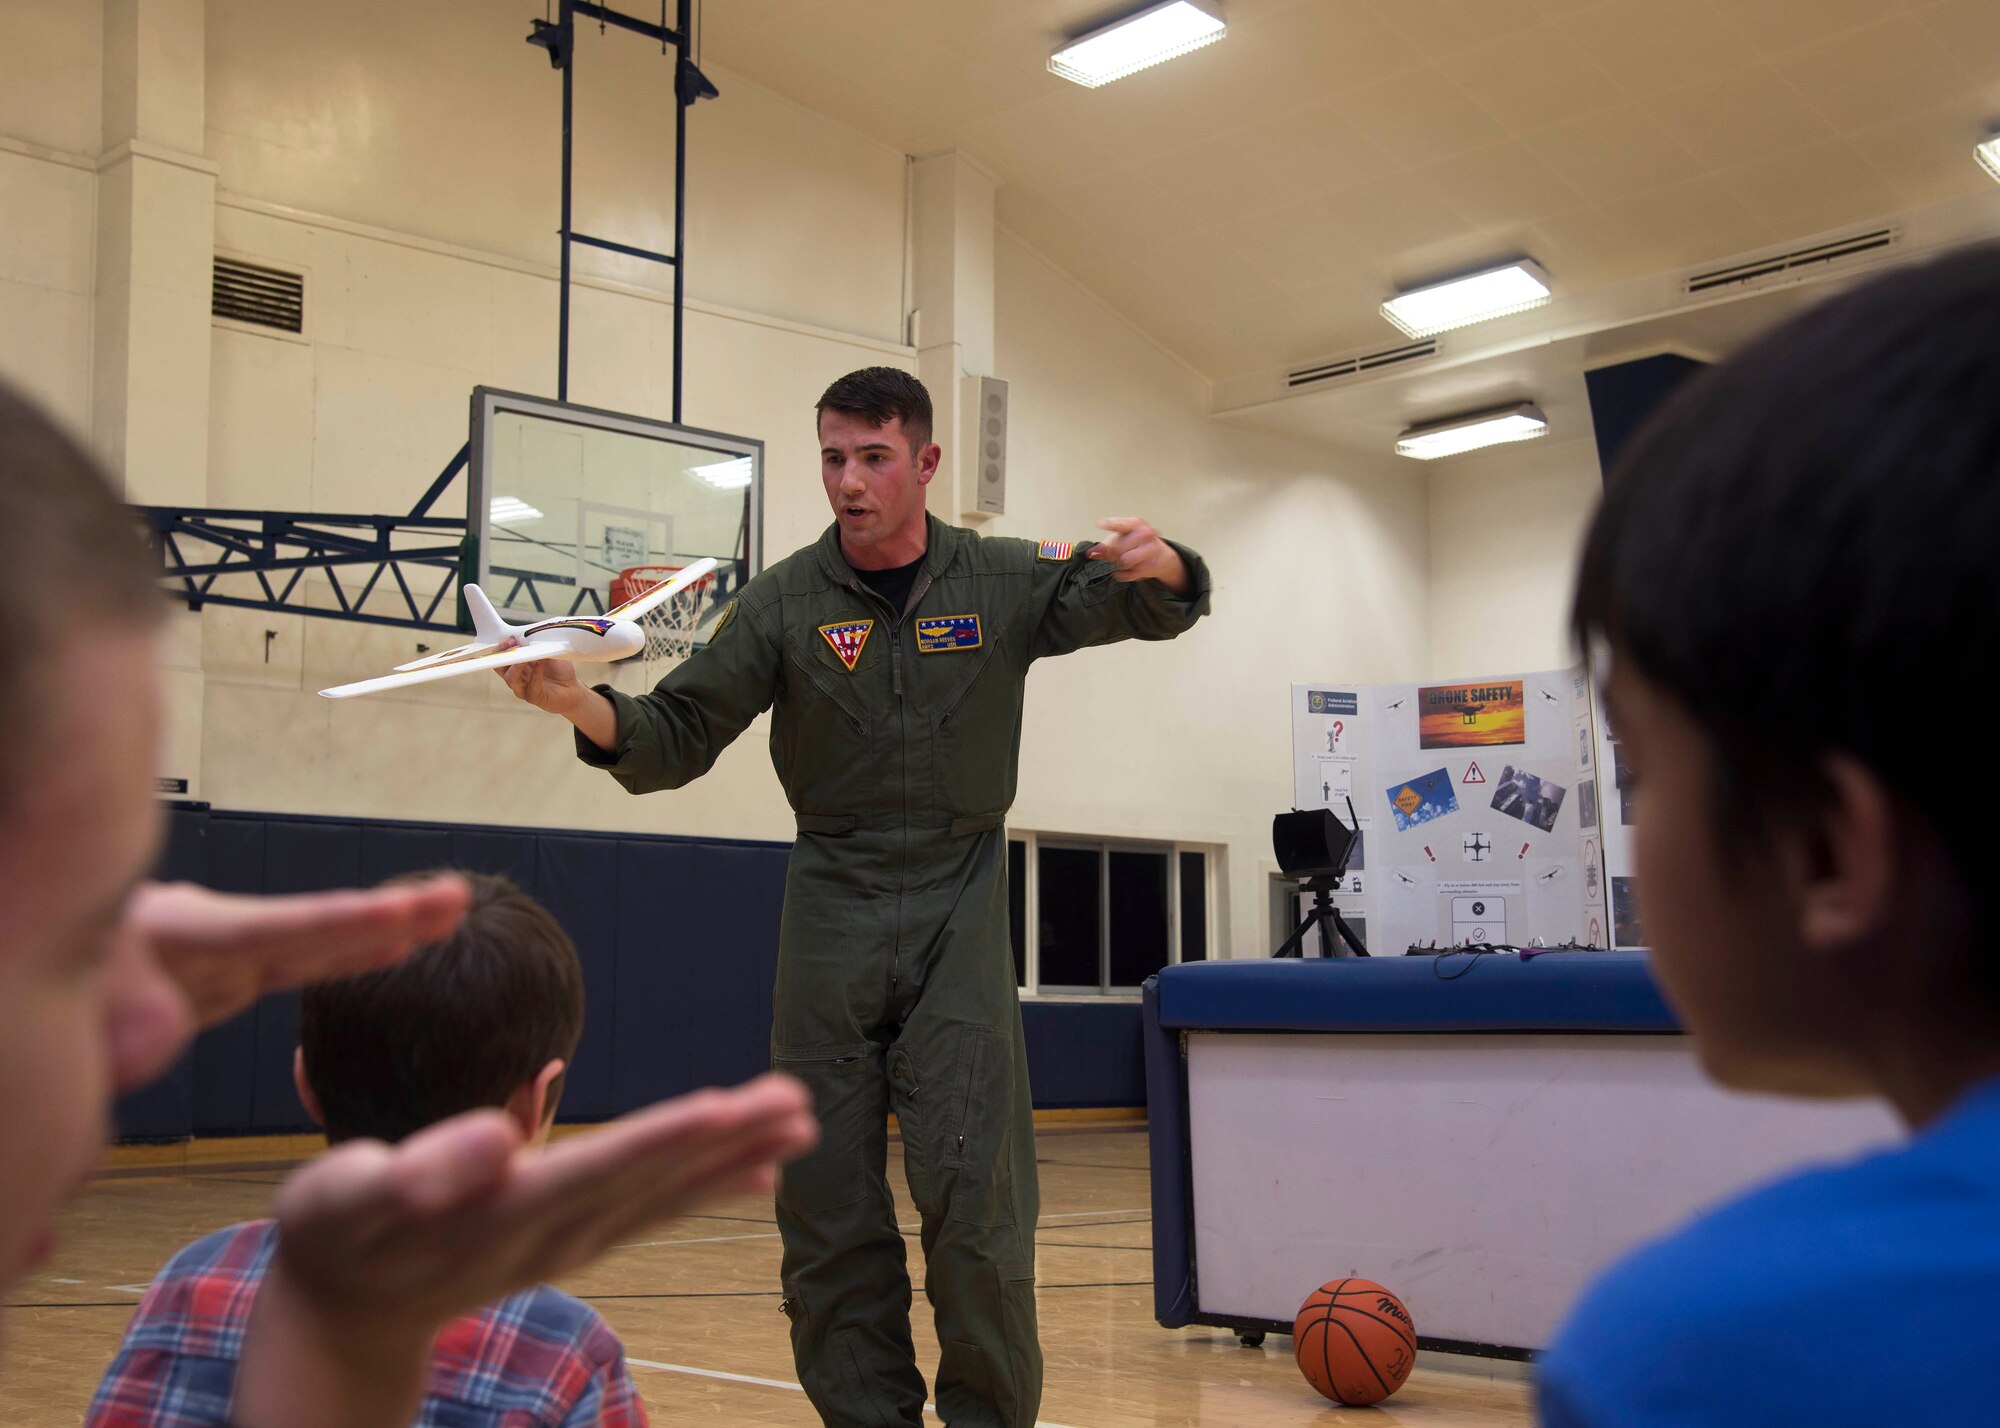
x=1791, y=586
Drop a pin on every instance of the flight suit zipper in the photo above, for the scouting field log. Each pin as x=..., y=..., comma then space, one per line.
x=896, y=687
x=896, y=683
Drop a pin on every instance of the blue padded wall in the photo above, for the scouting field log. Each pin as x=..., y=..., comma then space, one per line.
x=1085, y=1053
x=678, y=939
x=571, y=875
x=165, y=1109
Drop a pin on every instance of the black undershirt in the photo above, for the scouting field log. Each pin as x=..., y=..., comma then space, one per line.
x=893, y=585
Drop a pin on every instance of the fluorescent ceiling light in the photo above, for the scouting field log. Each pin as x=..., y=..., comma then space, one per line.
x=731, y=475
x=1988, y=155
x=511, y=511
x=1494, y=293
x=1139, y=41
x=1521, y=422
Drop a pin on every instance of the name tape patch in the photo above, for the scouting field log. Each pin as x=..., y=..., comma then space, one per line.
x=847, y=639
x=948, y=632
x=1055, y=550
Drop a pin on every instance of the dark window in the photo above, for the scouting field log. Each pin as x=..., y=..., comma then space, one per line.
x=1138, y=916
x=1069, y=894
x=1194, y=907
x=1017, y=906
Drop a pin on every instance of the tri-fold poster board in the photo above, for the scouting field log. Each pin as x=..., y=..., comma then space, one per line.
x=1484, y=818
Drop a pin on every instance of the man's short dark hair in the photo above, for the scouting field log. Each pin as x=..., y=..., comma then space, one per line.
x=882, y=395
x=1800, y=550
x=458, y=1025
x=71, y=556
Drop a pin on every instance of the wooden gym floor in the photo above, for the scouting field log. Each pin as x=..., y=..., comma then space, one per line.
x=697, y=1306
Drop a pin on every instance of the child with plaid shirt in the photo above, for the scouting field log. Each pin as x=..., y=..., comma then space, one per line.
x=489, y=1016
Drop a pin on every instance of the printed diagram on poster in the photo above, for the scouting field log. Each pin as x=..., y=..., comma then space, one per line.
x=1336, y=781
x=1460, y=716
x=1480, y=919
x=1627, y=927
x=1615, y=801
x=1535, y=801
x=1621, y=774
x=1419, y=800
x=1495, y=779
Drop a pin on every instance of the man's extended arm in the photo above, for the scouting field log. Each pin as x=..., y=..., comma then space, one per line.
x=1134, y=585
x=1137, y=551
x=672, y=734
x=551, y=684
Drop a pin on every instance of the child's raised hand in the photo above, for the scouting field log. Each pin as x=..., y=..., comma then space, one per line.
x=379, y=1246
x=225, y=950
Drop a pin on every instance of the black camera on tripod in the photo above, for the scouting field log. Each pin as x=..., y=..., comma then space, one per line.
x=1315, y=845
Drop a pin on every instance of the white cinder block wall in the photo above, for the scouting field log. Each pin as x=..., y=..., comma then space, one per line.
x=406, y=159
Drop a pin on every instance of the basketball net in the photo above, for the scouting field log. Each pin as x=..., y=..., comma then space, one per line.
x=671, y=625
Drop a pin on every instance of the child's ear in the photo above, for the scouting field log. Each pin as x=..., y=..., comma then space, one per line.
x=304, y=1087
x=533, y=1107
x=1844, y=868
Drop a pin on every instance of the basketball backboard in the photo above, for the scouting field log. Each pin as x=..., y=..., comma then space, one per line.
x=567, y=500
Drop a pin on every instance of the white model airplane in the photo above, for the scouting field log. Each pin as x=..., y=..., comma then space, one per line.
x=616, y=634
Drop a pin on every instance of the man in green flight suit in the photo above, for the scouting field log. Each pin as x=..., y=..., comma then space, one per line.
x=894, y=650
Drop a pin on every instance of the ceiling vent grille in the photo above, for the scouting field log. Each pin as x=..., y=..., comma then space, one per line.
x=1790, y=267
x=1365, y=362
x=263, y=297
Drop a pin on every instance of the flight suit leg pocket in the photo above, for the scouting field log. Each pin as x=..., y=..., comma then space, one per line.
x=907, y=1098
x=849, y=1100
x=831, y=1370
x=976, y=1153
x=990, y=1365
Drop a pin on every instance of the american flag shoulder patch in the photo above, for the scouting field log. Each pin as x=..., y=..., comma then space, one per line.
x=846, y=638
x=1055, y=550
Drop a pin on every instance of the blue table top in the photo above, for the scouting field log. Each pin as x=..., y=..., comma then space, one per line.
x=1554, y=991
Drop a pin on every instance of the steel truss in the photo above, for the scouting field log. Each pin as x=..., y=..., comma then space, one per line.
x=199, y=546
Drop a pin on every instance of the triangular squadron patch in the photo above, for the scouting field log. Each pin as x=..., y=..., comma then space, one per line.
x=848, y=638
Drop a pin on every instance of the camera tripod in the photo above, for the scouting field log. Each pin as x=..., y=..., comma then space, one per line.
x=1325, y=916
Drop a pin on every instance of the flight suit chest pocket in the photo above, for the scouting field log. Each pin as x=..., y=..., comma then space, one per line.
x=823, y=733
x=829, y=708
x=976, y=732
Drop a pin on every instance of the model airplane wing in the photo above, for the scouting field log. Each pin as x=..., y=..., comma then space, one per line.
x=639, y=604
x=499, y=659
x=451, y=656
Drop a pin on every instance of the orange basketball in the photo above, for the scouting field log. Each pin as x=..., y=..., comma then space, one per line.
x=1354, y=1340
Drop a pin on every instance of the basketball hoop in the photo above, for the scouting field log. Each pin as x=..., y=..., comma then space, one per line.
x=670, y=626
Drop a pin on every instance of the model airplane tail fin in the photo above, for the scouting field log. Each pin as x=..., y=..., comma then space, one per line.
x=486, y=622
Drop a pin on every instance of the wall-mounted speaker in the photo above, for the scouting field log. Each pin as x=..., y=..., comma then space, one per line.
x=982, y=464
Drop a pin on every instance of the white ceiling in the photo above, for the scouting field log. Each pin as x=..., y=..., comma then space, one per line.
x=1251, y=204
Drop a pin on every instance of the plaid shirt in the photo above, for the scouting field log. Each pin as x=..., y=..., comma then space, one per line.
x=537, y=1360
